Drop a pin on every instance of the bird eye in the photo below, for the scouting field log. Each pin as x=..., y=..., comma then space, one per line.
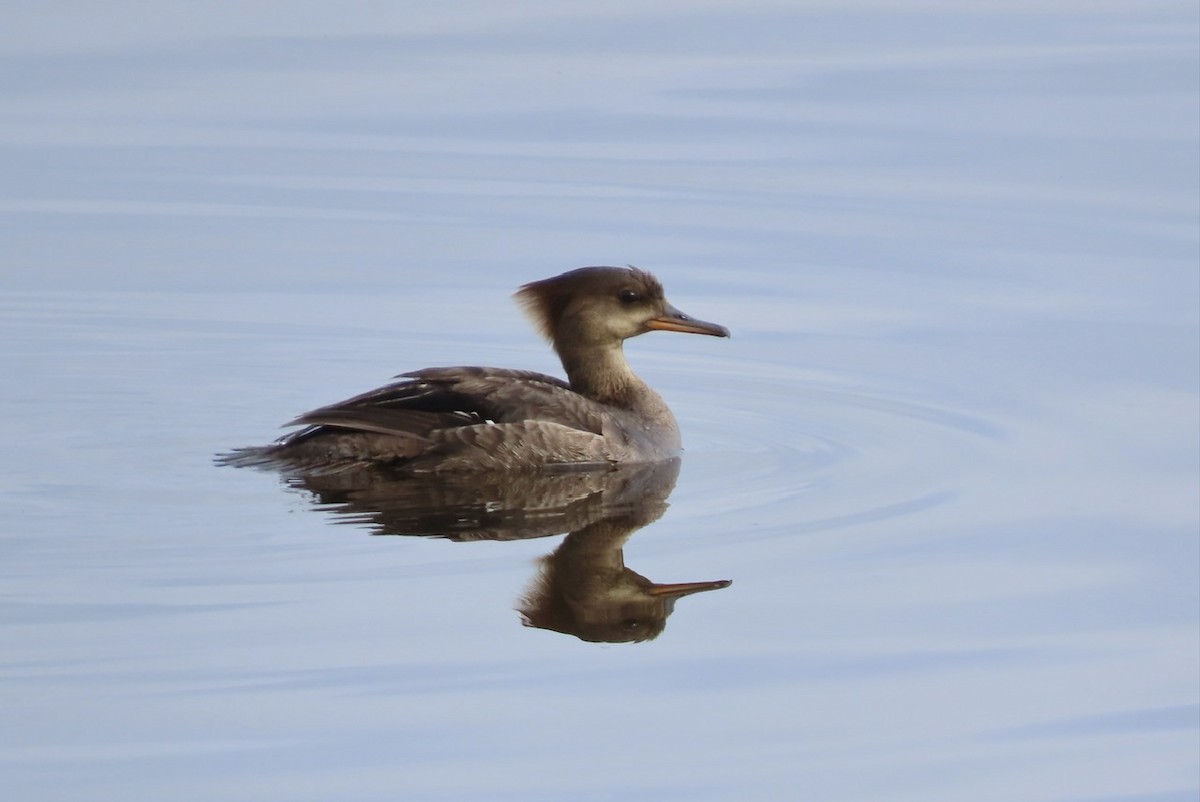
x=628, y=297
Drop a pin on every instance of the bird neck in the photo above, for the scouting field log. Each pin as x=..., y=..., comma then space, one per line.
x=602, y=374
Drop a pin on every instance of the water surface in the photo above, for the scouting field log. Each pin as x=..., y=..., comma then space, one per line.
x=949, y=458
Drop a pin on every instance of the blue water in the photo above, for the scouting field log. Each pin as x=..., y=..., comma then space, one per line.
x=950, y=458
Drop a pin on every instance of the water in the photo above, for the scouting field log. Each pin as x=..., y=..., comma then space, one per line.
x=948, y=459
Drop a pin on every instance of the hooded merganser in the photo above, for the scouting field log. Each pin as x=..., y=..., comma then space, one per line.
x=485, y=419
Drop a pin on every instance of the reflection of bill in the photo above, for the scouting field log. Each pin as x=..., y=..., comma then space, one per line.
x=583, y=588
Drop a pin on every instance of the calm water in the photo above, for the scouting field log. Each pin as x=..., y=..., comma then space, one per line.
x=949, y=458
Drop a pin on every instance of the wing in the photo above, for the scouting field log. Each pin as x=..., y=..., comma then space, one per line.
x=433, y=399
x=447, y=419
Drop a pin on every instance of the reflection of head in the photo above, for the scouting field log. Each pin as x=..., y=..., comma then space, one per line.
x=584, y=589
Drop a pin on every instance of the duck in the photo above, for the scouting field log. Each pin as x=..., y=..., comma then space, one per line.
x=462, y=419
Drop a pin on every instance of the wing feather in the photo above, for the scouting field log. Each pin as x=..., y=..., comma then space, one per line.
x=463, y=416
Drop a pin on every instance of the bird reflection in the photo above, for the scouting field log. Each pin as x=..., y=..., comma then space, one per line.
x=583, y=587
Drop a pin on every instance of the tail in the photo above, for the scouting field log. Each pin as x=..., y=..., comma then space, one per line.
x=249, y=457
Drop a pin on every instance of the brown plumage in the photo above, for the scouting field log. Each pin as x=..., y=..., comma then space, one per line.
x=475, y=418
